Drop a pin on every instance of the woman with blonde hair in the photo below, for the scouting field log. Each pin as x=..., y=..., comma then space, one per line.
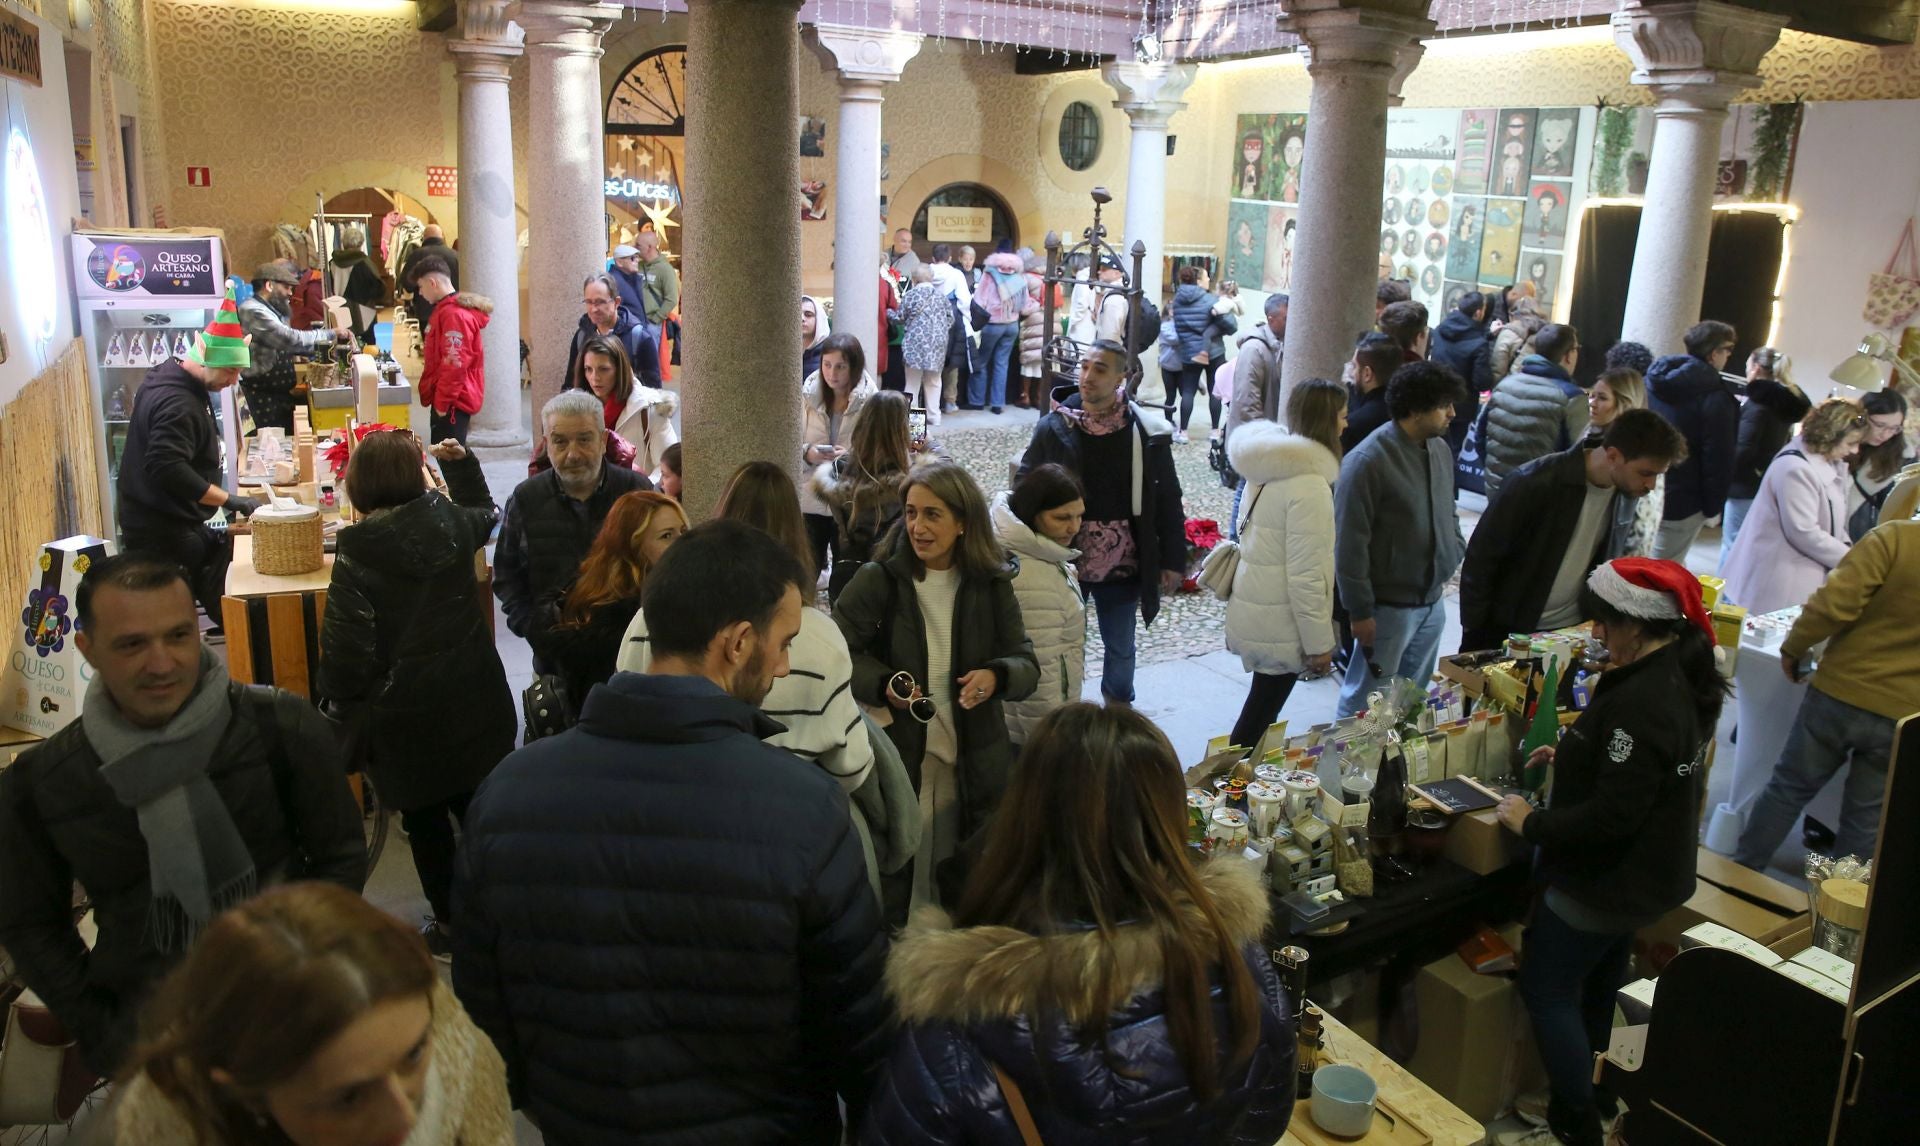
x=861, y=488
x=1280, y=611
x=1797, y=530
x=584, y=641
x=1093, y=971
x=939, y=645
x=307, y=1016
x=1617, y=390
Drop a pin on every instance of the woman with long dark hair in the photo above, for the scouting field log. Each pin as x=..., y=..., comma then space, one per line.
x=405, y=653
x=585, y=640
x=642, y=415
x=1617, y=839
x=1280, y=613
x=830, y=404
x=308, y=1017
x=1092, y=968
x=861, y=488
x=1883, y=454
x=938, y=644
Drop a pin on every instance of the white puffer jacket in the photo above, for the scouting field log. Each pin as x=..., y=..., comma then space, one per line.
x=1281, y=609
x=647, y=422
x=1055, y=616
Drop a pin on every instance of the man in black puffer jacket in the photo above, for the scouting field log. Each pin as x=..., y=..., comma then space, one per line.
x=1461, y=342
x=1774, y=407
x=176, y=794
x=665, y=924
x=1687, y=390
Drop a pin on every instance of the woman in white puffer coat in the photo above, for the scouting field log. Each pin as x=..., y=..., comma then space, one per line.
x=1280, y=611
x=1037, y=523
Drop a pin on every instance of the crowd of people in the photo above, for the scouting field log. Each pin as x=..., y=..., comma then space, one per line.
x=790, y=832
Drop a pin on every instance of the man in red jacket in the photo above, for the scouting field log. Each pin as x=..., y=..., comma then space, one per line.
x=453, y=377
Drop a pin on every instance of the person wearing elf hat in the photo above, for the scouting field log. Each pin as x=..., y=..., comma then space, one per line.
x=169, y=479
x=1616, y=839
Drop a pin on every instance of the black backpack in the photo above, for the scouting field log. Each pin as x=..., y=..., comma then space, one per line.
x=1146, y=327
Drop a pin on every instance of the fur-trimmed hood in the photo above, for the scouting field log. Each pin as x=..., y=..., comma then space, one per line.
x=939, y=974
x=1021, y=539
x=1265, y=451
x=473, y=301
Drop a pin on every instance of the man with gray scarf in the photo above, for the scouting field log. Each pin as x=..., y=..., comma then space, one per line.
x=175, y=795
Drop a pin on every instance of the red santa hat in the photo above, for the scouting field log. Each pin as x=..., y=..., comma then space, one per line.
x=1652, y=590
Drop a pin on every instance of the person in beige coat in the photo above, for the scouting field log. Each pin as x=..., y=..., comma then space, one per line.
x=308, y=1016
x=830, y=400
x=1037, y=522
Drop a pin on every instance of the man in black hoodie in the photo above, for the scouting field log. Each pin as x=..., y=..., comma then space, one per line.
x=1774, y=407
x=653, y=964
x=1687, y=390
x=1461, y=342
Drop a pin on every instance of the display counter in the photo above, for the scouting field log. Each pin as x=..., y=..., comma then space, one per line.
x=1409, y=1110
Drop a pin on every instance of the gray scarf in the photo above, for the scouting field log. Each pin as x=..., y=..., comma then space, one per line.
x=197, y=863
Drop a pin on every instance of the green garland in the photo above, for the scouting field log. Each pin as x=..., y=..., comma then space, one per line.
x=1772, y=147
x=1616, y=135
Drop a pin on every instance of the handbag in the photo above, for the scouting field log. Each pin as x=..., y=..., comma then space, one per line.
x=43, y=1081
x=1223, y=560
x=1892, y=298
x=547, y=707
x=1017, y=1106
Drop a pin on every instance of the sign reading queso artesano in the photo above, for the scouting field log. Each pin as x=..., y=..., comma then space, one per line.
x=19, y=48
x=959, y=224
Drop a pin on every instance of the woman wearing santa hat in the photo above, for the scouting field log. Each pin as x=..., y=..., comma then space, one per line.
x=1617, y=838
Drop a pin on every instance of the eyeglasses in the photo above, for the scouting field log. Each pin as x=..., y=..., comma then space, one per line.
x=903, y=687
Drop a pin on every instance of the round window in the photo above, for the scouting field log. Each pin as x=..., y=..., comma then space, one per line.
x=1079, y=136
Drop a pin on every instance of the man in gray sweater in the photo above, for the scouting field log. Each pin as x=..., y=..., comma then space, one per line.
x=1396, y=537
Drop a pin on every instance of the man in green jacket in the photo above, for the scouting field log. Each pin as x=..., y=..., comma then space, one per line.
x=1868, y=679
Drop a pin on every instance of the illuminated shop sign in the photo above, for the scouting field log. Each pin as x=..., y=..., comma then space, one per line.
x=640, y=189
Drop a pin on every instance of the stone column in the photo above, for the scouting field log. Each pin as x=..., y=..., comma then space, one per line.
x=1357, y=53
x=1149, y=94
x=489, y=244
x=741, y=241
x=1696, y=56
x=867, y=59
x=566, y=175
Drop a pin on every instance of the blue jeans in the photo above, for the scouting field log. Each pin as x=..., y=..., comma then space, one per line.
x=1116, y=604
x=1826, y=733
x=988, y=386
x=1731, y=516
x=1406, y=643
x=1567, y=980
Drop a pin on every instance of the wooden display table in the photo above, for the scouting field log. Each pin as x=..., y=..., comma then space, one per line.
x=1427, y=1116
x=273, y=623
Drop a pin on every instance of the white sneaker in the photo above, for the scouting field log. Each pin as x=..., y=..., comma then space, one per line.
x=1179, y=437
x=1532, y=1108
x=1532, y=1136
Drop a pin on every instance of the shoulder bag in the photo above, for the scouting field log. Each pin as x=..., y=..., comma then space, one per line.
x=1223, y=560
x=1893, y=298
x=1017, y=1106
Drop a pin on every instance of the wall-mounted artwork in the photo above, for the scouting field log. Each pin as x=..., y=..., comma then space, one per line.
x=1277, y=274
x=1267, y=163
x=1553, y=139
x=1542, y=269
x=1546, y=224
x=1463, y=242
x=1757, y=147
x=1246, y=242
x=1500, y=241
x=1512, y=145
x=1472, y=160
x=813, y=137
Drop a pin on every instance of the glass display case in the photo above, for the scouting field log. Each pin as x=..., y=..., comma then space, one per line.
x=143, y=296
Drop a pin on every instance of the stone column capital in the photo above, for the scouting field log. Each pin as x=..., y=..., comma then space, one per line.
x=488, y=43
x=1350, y=36
x=1700, y=52
x=1149, y=93
x=564, y=26
x=866, y=56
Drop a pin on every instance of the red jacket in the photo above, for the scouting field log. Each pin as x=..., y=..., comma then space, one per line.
x=454, y=376
x=307, y=306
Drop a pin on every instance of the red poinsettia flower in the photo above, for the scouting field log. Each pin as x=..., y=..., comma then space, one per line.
x=337, y=452
x=1203, y=533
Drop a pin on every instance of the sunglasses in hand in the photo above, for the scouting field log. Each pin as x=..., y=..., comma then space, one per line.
x=903, y=688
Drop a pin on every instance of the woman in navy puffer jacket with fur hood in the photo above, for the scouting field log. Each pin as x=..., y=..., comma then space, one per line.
x=1076, y=992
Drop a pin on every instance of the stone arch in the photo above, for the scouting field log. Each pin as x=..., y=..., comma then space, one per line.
x=989, y=173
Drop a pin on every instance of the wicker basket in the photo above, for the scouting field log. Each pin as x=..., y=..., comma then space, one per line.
x=287, y=542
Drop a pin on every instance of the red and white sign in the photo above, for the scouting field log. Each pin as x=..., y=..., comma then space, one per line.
x=443, y=182
x=199, y=176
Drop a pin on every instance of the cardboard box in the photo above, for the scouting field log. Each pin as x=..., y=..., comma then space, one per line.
x=1476, y=1046
x=1477, y=842
x=1744, y=901
x=43, y=677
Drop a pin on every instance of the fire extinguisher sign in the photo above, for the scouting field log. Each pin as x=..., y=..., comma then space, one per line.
x=199, y=176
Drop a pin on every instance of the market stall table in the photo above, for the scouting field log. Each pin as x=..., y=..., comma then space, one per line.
x=273, y=623
x=1413, y=922
x=1442, y=1123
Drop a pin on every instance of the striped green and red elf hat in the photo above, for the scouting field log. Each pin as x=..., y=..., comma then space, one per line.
x=223, y=343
